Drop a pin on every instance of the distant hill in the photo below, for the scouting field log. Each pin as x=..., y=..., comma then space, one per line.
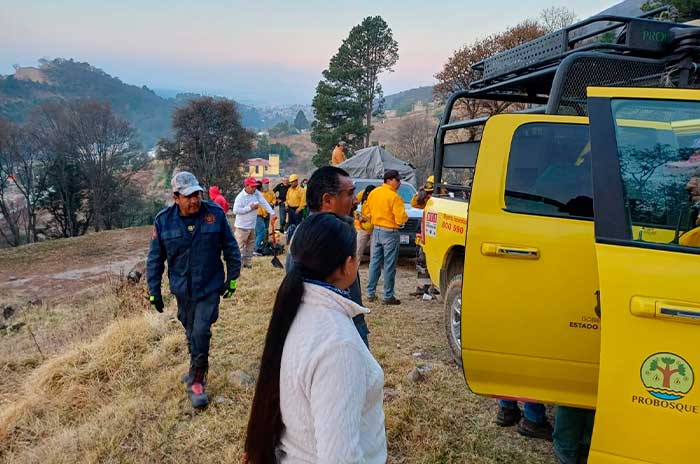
x=408, y=98
x=276, y=114
x=251, y=117
x=68, y=79
x=141, y=106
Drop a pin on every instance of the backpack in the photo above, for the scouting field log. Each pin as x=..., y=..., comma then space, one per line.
x=268, y=249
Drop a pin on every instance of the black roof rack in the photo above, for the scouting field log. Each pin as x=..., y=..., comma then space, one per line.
x=556, y=69
x=525, y=73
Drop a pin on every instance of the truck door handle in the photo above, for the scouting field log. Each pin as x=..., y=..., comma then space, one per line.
x=508, y=251
x=663, y=309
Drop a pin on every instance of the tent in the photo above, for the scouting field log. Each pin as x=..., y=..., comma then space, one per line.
x=371, y=162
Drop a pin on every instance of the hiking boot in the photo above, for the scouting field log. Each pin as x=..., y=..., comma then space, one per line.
x=198, y=395
x=508, y=417
x=541, y=430
x=393, y=301
x=188, y=378
x=372, y=298
x=419, y=292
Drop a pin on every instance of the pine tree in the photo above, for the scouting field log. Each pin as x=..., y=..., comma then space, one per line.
x=350, y=94
x=300, y=121
x=338, y=117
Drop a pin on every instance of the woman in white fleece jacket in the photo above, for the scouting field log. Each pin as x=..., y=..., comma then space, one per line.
x=319, y=393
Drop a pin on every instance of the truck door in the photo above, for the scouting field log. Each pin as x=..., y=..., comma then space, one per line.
x=646, y=177
x=529, y=325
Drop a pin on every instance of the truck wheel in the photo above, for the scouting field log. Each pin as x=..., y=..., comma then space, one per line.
x=453, y=317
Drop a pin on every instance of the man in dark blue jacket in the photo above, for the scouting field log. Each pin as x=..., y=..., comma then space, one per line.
x=191, y=236
x=330, y=190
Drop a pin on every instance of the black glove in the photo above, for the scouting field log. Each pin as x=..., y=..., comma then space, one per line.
x=229, y=288
x=156, y=303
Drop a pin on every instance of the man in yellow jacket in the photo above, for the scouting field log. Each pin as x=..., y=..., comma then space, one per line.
x=296, y=200
x=338, y=155
x=420, y=199
x=387, y=214
x=363, y=226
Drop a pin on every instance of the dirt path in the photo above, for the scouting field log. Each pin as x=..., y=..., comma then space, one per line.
x=62, y=269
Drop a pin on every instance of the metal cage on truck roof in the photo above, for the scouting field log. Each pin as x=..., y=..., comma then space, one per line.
x=555, y=70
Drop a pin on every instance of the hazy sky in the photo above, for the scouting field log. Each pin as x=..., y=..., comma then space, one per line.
x=264, y=52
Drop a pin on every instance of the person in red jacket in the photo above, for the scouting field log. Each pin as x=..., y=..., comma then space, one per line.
x=216, y=196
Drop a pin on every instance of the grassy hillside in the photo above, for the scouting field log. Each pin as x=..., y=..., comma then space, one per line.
x=115, y=396
x=408, y=98
x=303, y=148
x=68, y=79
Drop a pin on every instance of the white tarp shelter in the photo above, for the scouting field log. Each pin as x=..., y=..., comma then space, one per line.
x=371, y=162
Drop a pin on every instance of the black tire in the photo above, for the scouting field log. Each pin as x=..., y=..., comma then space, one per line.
x=453, y=316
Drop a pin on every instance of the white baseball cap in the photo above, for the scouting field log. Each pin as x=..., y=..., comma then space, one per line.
x=185, y=183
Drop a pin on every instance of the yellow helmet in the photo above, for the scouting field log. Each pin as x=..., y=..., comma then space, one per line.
x=293, y=177
x=431, y=180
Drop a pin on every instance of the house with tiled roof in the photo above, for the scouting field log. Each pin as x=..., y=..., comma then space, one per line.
x=259, y=167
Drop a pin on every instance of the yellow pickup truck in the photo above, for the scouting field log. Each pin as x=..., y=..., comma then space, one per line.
x=561, y=249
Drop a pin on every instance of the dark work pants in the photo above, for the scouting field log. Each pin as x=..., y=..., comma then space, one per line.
x=283, y=216
x=262, y=230
x=294, y=217
x=362, y=328
x=573, y=428
x=534, y=412
x=197, y=318
x=359, y=320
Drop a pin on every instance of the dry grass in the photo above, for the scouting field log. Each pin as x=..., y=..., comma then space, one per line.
x=92, y=247
x=53, y=327
x=118, y=398
x=303, y=148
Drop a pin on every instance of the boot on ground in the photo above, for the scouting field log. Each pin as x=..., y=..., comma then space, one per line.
x=196, y=390
x=392, y=301
x=541, y=430
x=188, y=378
x=508, y=417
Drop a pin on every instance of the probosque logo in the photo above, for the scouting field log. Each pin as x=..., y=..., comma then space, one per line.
x=667, y=376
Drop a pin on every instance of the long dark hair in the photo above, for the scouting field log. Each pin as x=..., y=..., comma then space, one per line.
x=366, y=192
x=322, y=243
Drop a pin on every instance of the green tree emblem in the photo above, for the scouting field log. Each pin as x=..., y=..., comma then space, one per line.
x=667, y=376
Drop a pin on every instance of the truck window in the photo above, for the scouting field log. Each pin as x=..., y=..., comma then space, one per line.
x=458, y=161
x=658, y=144
x=549, y=171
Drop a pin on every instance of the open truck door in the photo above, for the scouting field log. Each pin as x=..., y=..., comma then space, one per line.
x=646, y=185
x=528, y=322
